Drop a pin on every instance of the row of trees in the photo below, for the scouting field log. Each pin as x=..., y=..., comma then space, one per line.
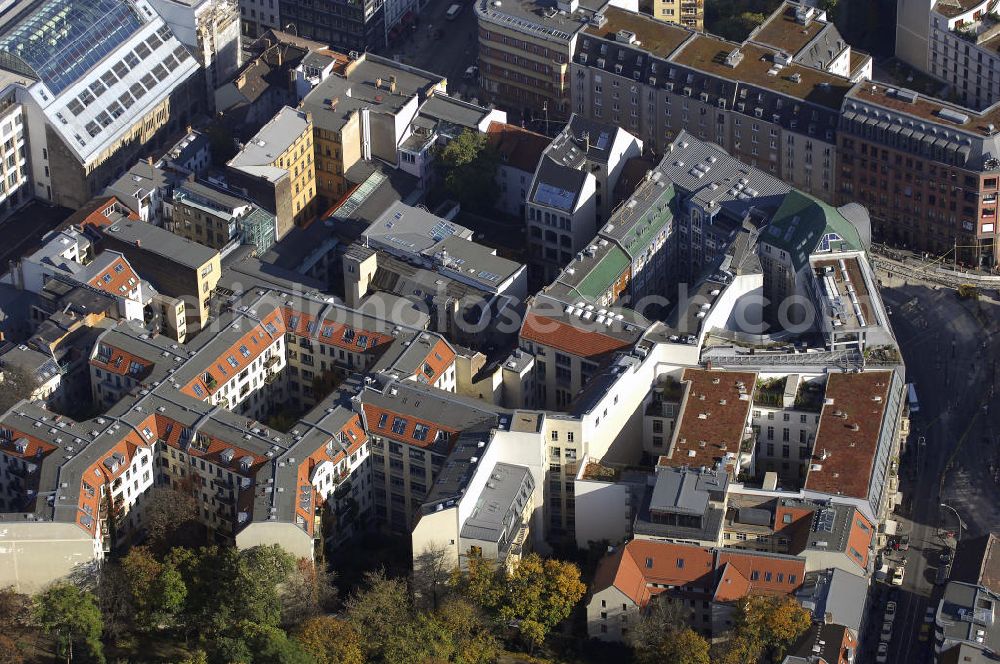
x=261, y=605
x=765, y=626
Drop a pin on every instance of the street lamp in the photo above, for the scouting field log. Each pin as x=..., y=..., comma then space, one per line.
x=961, y=524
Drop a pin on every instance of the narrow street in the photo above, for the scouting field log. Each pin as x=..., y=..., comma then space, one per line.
x=951, y=362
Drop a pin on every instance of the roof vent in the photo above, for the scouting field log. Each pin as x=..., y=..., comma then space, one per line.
x=625, y=36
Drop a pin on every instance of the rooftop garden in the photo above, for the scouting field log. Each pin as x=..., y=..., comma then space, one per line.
x=599, y=472
x=770, y=391
x=810, y=396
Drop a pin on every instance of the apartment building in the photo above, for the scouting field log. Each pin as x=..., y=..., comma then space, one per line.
x=655, y=80
x=519, y=150
x=439, y=120
x=962, y=40
x=413, y=430
x=689, y=13
x=92, y=116
x=218, y=220
x=175, y=266
x=210, y=29
x=365, y=112
x=703, y=582
x=925, y=169
x=525, y=48
x=572, y=192
x=803, y=35
x=15, y=182
x=276, y=169
x=965, y=628
x=346, y=26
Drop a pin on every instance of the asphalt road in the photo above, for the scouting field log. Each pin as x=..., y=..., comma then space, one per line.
x=450, y=55
x=942, y=339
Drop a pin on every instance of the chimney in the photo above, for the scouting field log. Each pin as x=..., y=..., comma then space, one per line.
x=392, y=84
x=138, y=243
x=586, y=142
x=378, y=83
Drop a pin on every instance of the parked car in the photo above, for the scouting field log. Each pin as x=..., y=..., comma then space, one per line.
x=886, y=632
x=925, y=631
x=883, y=653
x=943, y=572
x=902, y=543
x=946, y=557
x=897, y=575
x=890, y=611
x=929, y=614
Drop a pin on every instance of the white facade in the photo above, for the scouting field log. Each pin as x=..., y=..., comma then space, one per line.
x=969, y=63
x=15, y=188
x=104, y=108
x=211, y=29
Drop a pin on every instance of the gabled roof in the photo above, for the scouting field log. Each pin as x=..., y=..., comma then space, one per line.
x=518, y=148
x=569, y=338
x=644, y=568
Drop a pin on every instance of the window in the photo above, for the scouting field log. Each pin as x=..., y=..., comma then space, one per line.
x=649, y=563
x=398, y=425
x=555, y=435
x=420, y=431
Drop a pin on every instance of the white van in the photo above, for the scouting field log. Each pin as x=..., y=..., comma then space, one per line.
x=453, y=12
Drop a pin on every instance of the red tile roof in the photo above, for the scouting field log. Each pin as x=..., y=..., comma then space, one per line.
x=567, y=338
x=713, y=417
x=848, y=434
x=354, y=339
x=120, y=362
x=518, y=148
x=118, y=278
x=384, y=422
x=644, y=568
x=233, y=360
x=437, y=362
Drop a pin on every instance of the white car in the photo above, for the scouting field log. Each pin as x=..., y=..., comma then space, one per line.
x=897, y=575
x=886, y=632
x=890, y=611
x=883, y=653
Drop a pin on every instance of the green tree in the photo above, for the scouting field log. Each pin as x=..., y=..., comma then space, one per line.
x=662, y=636
x=170, y=517
x=469, y=166
x=765, y=625
x=380, y=602
x=73, y=616
x=535, y=596
x=140, y=569
x=309, y=591
x=540, y=593
x=330, y=641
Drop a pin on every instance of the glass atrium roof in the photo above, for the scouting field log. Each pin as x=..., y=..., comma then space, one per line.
x=60, y=40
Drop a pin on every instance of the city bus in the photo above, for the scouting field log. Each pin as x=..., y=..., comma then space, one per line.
x=914, y=404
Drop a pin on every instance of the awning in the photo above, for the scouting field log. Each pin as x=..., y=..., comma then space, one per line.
x=890, y=525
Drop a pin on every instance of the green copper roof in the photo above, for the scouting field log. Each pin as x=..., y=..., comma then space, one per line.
x=801, y=225
x=604, y=274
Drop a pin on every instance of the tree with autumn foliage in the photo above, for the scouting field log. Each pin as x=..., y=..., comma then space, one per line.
x=765, y=627
x=330, y=641
x=534, y=596
x=661, y=636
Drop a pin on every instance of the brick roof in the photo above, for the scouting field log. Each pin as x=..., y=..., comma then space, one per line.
x=402, y=427
x=518, y=148
x=568, y=338
x=848, y=433
x=713, y=417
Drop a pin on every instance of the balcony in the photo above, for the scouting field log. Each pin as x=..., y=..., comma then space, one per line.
x=271, y=361
x=270, y=377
